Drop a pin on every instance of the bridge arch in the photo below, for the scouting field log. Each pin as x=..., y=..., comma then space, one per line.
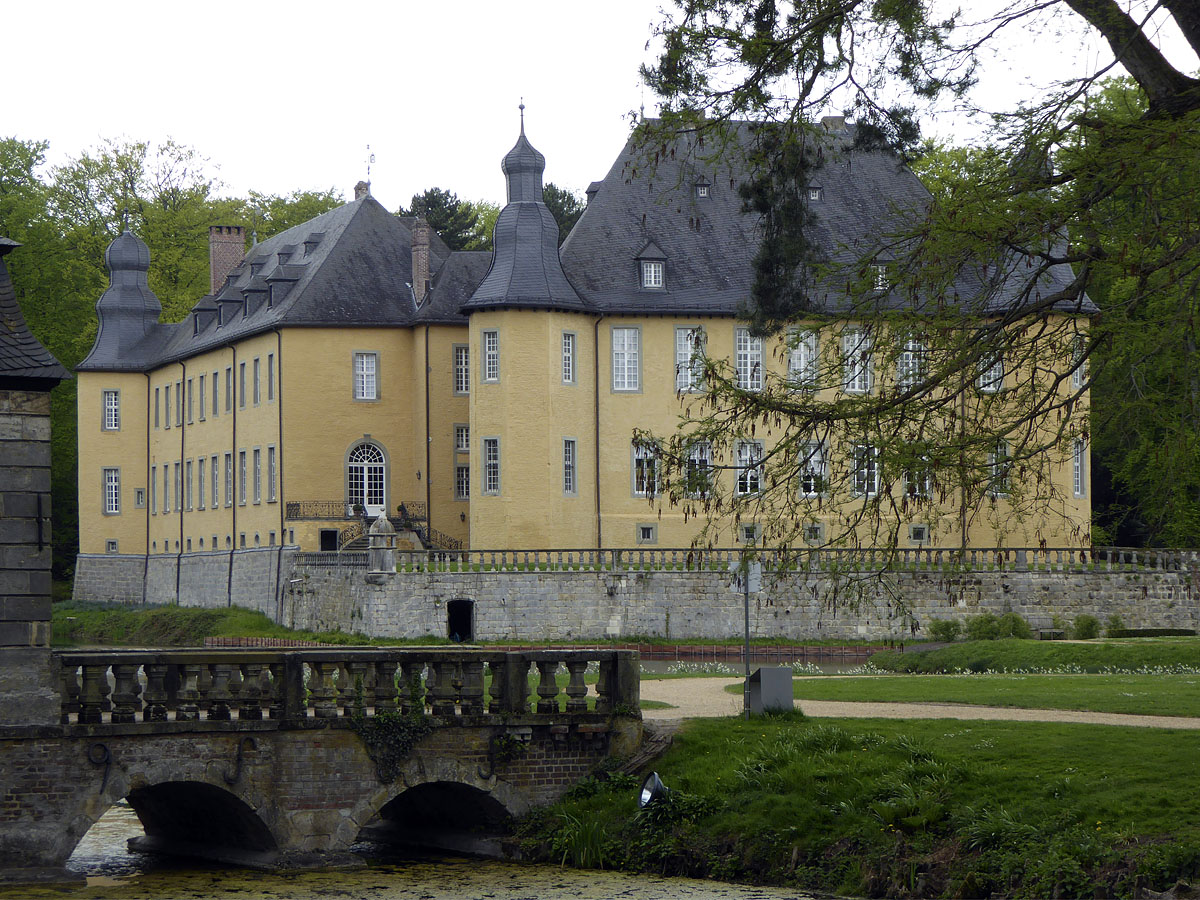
x=446, y=791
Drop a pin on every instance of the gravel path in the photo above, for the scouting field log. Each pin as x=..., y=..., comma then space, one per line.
x=700, y=697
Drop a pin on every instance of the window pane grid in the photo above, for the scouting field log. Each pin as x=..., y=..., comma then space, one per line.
x=568, y=358
x=569, y=467
x=856, y=352
x=491, y=465
x=749, y=360
x=365, y=387
x=462, y=370
x=749, y=458
x=802, y=361
x=491, y=356
x=112, y=411
x=112, y=490
x=689, y=359
x=866, y=470
x=625, y=359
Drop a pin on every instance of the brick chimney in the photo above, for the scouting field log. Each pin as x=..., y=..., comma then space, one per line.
x=420, y=258
x=226, y=248
x=362, y=189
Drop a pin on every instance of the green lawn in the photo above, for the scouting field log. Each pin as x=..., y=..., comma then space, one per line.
x=1162, y=695
x=901, y=808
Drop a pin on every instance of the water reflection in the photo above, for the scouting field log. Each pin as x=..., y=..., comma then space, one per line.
x=113, y=871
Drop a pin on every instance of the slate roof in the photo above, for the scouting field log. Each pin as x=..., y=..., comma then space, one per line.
x=22, y=356
x=646, y=203
x=347, y=267
x=455, y=281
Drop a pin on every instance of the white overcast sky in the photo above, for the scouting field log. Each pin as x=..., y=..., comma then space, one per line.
x=284, y=96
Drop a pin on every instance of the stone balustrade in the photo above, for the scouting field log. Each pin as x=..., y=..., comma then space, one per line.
x=814, y=559
x=303, y=687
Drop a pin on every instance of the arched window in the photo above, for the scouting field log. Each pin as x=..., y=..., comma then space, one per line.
x=366, y=478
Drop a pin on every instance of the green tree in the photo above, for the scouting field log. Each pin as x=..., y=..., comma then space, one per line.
x=453, y=219
x=486, y=214
x=1055, y=188
x=565, y=206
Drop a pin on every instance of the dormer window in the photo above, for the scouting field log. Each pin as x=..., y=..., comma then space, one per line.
x=652, y=274
x=703, y=188
x=814, y=193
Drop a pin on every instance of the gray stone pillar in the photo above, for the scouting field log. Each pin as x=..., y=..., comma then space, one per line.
x=28, y=688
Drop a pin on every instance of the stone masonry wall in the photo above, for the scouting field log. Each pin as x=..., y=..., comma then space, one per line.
x=559, y=606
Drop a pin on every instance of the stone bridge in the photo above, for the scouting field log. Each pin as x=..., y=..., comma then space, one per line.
x=284, y=758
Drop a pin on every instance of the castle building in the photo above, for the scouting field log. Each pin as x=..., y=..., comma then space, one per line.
x=353, y=365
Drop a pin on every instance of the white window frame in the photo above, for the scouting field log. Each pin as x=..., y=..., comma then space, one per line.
x=229, y=389
x=999, y=470
x=366, y=375
x=178, y=485
x=191, y=397
x=570, y=467
x=462, y=368
x=814, y=469
x=242, y=385
x=1079, y=360
x=1079, y=467
x=626, y=359
x=462, y=438
x=462, y=482
x=111, y=481
x=167, y=406
x=698, y=476
x=166, y=492
x=189, y=496
x=490, y=453
x=864, y=458
x=271, y=473
x=179, y=404
x=748, y=359
x=243, y=472
x=203, y=396
x=216, y=390
x=569, y=343
x=858, y=372
x=991, y=375
x=910, y=364
x=257, y=457
x=157, y=399
x=749, y=468
x=645, y=533
x=201, y=471
x=229, y=479
x=918, y=482
x=111, y=403
x=215, y=487
x=257, y=380
x=489, y=340
x=154, y=490
x=654, y=274
x=270, y=377
x=689, y=358
x=645, y=470
x=803, y=359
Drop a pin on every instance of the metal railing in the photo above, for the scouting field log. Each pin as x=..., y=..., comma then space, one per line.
x=341, y=509
x=290, y=687
x=828, y=560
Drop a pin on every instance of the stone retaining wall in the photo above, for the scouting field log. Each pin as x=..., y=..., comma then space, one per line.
x=685, y=605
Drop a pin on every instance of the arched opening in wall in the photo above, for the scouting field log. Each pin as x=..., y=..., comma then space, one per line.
x=442, y=815
x=366, y=480
x=190, y=818
x=460, y=620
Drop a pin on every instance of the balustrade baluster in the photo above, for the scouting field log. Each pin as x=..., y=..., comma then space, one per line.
x=322, y=692
x=412, y=691
x=604, y=686
x=385, y=686
x=576, y=688
x=69, y=679
x=249, y=696
x=496, y=688
x=126, y=697
x=547, y=689
x=155, y=695
x=218, y=693
x=94, y=695
x=356, y=671
x=472, y=687
x=443, y=691
x=235, y=685
x=278, y=691
x=344, y=685
x=203, y=687
x=187, y=707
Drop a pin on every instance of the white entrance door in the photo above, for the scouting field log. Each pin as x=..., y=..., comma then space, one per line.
x=365, y=480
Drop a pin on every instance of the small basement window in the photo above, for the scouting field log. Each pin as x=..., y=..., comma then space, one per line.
x=647, y=534
x=814, y=533
x=918, y=534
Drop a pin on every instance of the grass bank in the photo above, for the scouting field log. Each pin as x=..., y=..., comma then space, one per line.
x=1157, y=695
x=1057, y=657
x=900, y=809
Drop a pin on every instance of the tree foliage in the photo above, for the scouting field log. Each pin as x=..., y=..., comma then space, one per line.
x=565, y=206
x=456, y=221
x=1066, y=181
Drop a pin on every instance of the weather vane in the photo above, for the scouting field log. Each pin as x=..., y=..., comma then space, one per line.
x=522, y=108
x=370, y=162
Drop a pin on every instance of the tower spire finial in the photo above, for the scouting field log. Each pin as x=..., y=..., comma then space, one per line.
x=522, y=108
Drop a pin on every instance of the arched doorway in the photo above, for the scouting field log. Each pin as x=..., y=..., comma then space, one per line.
x=460, y=621
x=366, y=479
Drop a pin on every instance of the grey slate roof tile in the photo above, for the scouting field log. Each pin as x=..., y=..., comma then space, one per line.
x=21, y=354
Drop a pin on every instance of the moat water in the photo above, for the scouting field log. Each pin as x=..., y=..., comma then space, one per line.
x=113, y=871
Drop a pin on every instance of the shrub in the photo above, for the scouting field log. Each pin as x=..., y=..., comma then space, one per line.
x=1012, y=625
x=1115, y=623
x=1150, y=632
x=1086, y=628
x=983, y=627
x=944, y=629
